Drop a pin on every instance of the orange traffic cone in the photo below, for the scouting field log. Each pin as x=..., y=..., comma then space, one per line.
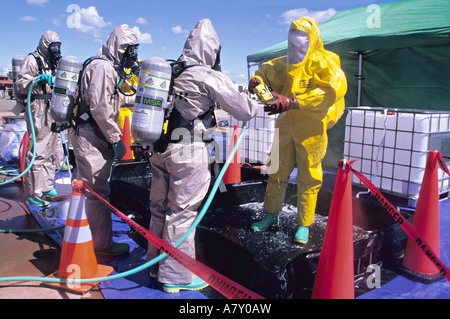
x=335, y=272
x=426, y=223
x=126, y=138
x=78, y=260
x=233, y=173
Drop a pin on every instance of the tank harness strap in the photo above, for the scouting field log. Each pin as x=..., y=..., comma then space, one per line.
x=177, y=120
x=83, y=114
x=45, y=96
x=179, y=67
x=41, y=70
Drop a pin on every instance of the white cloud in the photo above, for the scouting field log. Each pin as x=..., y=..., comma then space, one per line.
x=238, y=78
x=179, y=30
x=141, y=21
x=40, y=3
x=28, y=19
x=88, y=22
x=321, y=16
x=55, y=21
x=4, y=70
x=143, y=38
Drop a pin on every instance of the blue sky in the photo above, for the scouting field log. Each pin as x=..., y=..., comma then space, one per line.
x=244, y=27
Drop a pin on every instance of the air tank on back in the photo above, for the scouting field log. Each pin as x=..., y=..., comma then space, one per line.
x=151, y=100
x=66, y=83
x=16, y=65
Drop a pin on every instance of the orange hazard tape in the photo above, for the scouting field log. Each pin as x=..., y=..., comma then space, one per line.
x=222, y=284
x=404, y=224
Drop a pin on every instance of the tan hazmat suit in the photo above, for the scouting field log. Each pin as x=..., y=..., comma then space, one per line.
x=92, y=141
x=181, y=175
x=313, y=76
x=49, y=152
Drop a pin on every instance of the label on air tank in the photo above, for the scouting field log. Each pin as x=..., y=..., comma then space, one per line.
x=141, y=117
x=148, y=101
x=154, y=82
x=67, y=76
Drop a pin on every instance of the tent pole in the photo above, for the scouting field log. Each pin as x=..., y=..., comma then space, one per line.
x=360, y=78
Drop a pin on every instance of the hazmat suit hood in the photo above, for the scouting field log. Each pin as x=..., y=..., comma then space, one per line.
x=202, y=45
x=309, y=73
x=119, y=40
x=46, y=38
x=309, y=65
x=304, y=40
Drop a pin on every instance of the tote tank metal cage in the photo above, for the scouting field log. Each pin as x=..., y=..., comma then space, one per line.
x=391, y=146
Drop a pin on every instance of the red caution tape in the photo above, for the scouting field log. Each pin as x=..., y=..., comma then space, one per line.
x=405, y=225
x=222, y=284
x=442, y=164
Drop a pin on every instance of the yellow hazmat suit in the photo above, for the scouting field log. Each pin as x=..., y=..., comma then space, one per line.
x=311, y=77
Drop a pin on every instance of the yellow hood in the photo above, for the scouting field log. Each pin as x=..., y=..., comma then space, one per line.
x=317, y=81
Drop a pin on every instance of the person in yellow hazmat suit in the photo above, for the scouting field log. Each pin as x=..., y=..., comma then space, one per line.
x=309, y=87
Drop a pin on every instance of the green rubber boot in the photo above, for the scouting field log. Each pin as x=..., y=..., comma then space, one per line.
x=52, y=193
x=36, y=201
x=268, y=221
x=196, y=284
x=302, y=234
x=66, y=169
x=115, y=250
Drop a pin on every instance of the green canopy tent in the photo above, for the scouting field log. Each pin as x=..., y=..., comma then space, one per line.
x=402, y=60
x=395, y=55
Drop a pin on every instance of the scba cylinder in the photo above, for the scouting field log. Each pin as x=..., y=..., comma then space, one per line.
x=66, y=83
x=16, y=66
x=16, y=63
x=151, y=100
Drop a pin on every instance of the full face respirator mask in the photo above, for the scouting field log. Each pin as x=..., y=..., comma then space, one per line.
x=217, y=66
x=54, y=54
x=130, y=59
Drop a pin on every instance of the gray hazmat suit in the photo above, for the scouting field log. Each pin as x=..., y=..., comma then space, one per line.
x=181, y=175
x=92, y=141
x=49, y=153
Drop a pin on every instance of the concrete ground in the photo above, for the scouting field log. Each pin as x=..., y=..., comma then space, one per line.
x=6, y=107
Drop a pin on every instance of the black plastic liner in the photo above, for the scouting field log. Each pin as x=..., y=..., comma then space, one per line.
x=269, y=263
